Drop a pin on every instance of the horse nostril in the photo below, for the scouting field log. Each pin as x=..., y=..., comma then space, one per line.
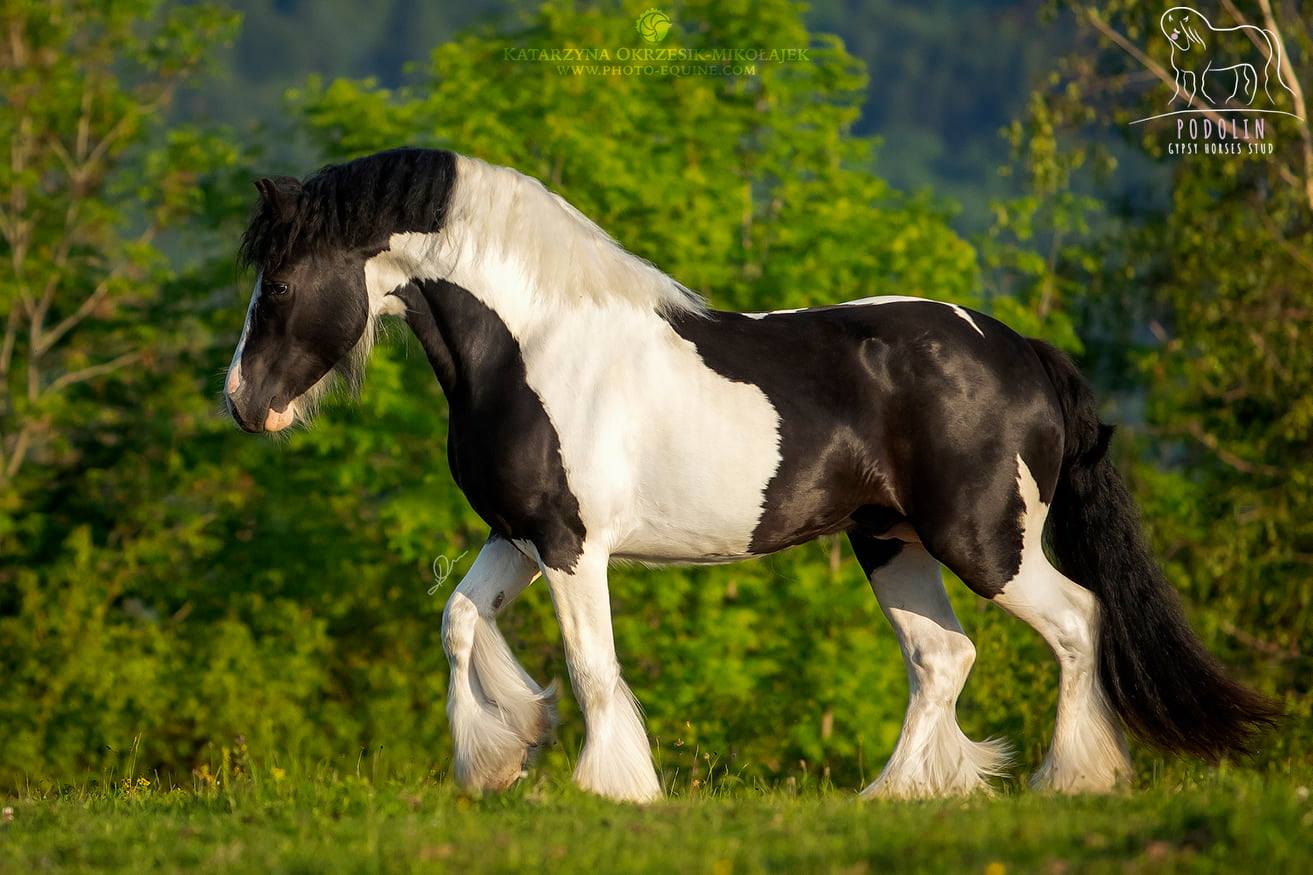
x=235, y=410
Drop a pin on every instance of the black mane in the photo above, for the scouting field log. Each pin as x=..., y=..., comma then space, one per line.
x=353, y=205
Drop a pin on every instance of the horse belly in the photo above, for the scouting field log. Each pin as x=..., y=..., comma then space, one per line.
x=701, y=483
x=706, y=454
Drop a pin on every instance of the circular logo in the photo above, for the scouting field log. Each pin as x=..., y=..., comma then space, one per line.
x=653, y=25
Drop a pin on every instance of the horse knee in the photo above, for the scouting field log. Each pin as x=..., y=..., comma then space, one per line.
x=458, y=620
x=963, y=653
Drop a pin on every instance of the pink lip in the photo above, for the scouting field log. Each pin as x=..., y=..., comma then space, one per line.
x=277, y=421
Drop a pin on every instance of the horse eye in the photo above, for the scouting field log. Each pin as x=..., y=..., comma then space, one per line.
x=275, y=289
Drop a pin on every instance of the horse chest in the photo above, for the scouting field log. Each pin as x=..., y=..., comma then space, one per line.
x=508, y=466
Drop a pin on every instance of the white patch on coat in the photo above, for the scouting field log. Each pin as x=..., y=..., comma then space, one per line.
x=668, y=459
x=1088, y=753
x=383, y=276
x=882, y=299
x=899, y=299
x=234, y=379
x=764, y=314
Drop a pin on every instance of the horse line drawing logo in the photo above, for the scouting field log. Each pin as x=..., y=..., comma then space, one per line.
x=1195, y=58
x=1227, y=80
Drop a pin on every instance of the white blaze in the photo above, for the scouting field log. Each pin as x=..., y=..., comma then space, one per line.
x=234, y=381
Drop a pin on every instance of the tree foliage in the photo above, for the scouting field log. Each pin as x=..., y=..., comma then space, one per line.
x=84, y=193
x=167, y=584
x=1199, y=305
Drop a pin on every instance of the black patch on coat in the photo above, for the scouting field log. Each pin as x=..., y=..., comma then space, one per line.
x=504, y=452
x=895, y=412
x=873, y=553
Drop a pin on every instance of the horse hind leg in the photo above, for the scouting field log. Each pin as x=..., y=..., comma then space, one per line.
x=932, y=757
x=1088, y=752
x=1251, y=83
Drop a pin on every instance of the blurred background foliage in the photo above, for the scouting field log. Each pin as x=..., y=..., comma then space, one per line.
x=168, y=584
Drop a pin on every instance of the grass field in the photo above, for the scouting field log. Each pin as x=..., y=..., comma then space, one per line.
x=1227, y=820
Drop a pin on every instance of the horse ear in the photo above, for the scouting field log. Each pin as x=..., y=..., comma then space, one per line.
x=281, y=194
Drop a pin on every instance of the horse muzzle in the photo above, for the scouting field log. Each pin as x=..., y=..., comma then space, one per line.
x=254, y=418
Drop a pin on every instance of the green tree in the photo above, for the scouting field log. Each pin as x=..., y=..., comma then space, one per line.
x=1200, y=308
x=92, y=192
x=86, y=192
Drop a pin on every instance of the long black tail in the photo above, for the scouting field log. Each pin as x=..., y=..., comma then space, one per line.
x=1167, y=688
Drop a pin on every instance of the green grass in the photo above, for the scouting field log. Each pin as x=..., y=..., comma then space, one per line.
x=1227, y=820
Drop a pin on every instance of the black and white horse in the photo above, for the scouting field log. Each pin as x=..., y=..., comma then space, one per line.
x=599, y=410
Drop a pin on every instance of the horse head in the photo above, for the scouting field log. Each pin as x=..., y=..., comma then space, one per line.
x=1183, y=27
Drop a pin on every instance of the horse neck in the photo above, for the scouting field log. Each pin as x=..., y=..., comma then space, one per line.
x=478, y=314
x=535, y=259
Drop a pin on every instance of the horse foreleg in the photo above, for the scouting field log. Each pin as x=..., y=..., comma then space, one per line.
x=616, y=761
x=498, y=715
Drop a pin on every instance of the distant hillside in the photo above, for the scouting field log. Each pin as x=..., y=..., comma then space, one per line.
x=946, y=75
